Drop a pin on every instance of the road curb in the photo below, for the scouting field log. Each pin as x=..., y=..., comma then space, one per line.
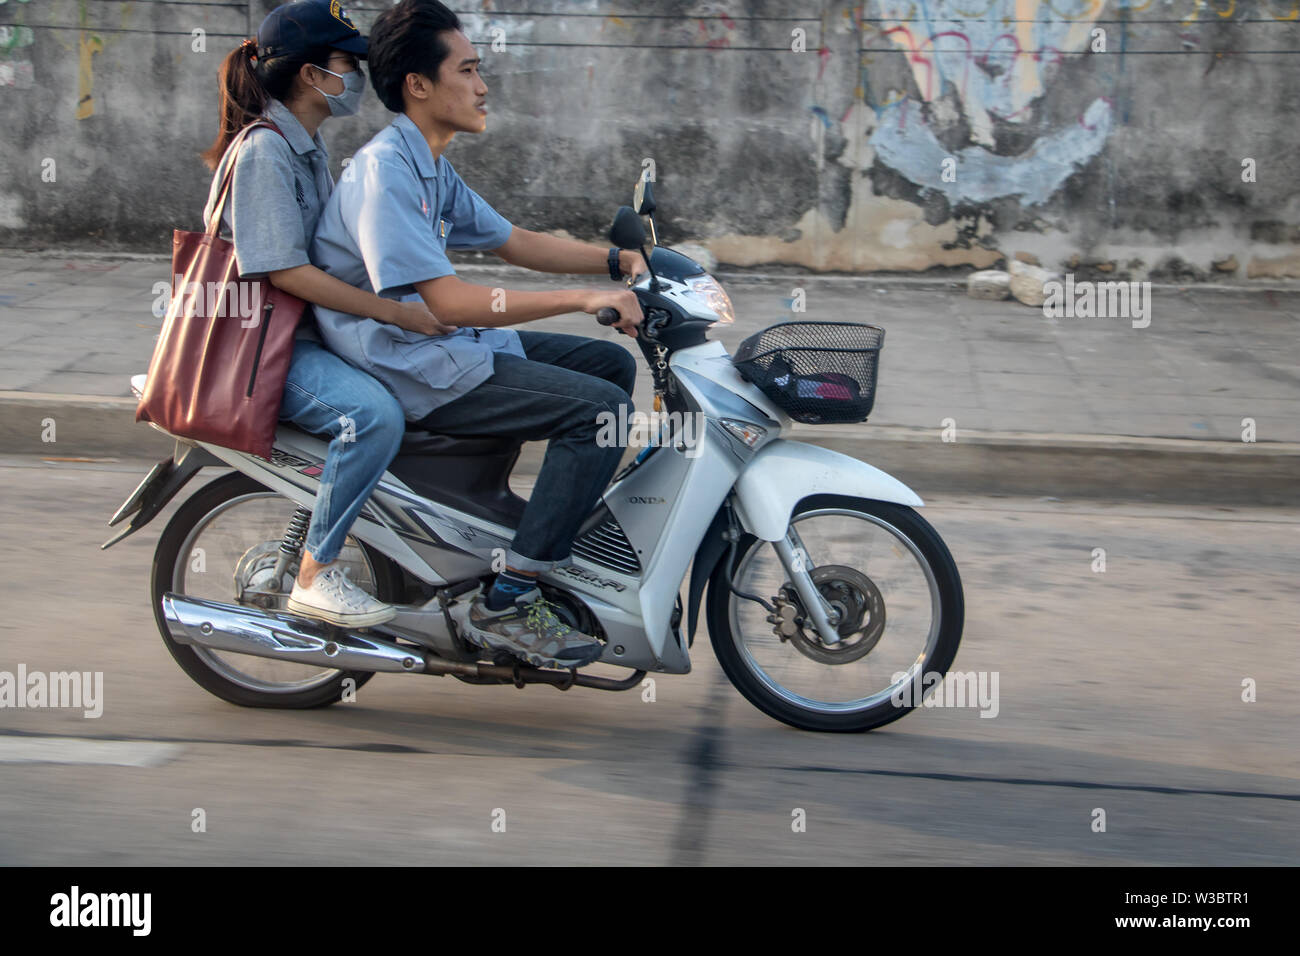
x=1010, y=463
x=1121, y=467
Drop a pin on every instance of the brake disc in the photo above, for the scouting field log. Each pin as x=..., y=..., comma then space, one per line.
x=861, y=615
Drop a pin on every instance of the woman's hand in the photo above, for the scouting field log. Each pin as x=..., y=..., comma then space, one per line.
x=309, y=283
x=415, y=316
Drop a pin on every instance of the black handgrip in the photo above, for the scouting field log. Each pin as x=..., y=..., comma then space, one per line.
x=607, y=316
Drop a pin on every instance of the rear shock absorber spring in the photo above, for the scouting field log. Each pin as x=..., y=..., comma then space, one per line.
x=290, y=547
x=296, y=534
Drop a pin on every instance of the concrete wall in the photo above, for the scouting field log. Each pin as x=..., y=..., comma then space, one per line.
x=893, y=135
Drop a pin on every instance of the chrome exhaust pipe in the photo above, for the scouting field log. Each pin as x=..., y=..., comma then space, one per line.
x=262, y=633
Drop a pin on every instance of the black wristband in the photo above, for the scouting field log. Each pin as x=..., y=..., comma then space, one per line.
x=615, y=270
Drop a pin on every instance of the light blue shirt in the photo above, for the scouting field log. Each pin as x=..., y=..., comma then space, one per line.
x=393, y=215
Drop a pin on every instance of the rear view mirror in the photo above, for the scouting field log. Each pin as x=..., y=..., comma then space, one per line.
x=643, y=197
x=627, y=231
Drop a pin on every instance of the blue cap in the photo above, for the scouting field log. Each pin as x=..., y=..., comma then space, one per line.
x=303, y=24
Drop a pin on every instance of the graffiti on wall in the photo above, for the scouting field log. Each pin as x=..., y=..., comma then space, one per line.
x=996, y=55
x=87, y=46
x=16, y=68
x=15, y=64
x=989, y=60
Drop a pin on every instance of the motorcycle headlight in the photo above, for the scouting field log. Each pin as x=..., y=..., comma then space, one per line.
x=714, y=296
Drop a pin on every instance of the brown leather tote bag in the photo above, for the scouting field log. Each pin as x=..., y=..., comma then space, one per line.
x=218, y=370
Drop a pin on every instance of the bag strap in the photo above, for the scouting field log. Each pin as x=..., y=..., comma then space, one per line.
x=229, y=175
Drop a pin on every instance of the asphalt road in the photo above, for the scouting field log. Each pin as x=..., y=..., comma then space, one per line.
x=1118, y=690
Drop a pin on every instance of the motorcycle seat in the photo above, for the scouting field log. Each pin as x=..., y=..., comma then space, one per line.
x=419, y=442
x=416, y=442
x=468, y=473
x=471, y=473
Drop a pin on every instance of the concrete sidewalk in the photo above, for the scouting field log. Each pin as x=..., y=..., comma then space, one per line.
x=974, y=396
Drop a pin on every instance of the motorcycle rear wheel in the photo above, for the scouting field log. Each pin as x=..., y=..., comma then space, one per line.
x=238, y=520
x=884, y=567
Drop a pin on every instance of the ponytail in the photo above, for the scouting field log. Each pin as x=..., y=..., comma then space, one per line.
x=242, y=98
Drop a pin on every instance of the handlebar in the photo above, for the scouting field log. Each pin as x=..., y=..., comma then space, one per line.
x=649, y=328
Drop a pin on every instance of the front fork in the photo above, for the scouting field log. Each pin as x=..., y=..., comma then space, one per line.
x=794, y=558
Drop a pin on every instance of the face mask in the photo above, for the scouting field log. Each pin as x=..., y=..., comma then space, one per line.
x=349, y=101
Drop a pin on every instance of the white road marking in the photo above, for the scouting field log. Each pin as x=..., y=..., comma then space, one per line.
x=115, y=753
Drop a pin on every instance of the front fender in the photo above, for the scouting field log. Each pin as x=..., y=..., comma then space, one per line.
x=785, y=472
x=776, y=479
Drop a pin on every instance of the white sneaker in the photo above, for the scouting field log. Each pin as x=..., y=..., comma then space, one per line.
x=334, y=598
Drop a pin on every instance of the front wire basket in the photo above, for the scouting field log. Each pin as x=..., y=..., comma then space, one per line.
x=819, y=373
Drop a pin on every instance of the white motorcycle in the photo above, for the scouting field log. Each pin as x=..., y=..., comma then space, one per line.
x=829, y=598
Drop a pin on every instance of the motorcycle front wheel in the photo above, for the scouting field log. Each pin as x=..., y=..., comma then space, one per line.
x=898, y=599
x=221, y=545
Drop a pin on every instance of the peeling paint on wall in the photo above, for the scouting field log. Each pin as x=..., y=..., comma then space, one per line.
x=11, y=211
x=980, y=175
x=880, y=234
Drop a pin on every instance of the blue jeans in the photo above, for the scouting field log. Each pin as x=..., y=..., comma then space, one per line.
x=326, y=396
x=559, y=393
